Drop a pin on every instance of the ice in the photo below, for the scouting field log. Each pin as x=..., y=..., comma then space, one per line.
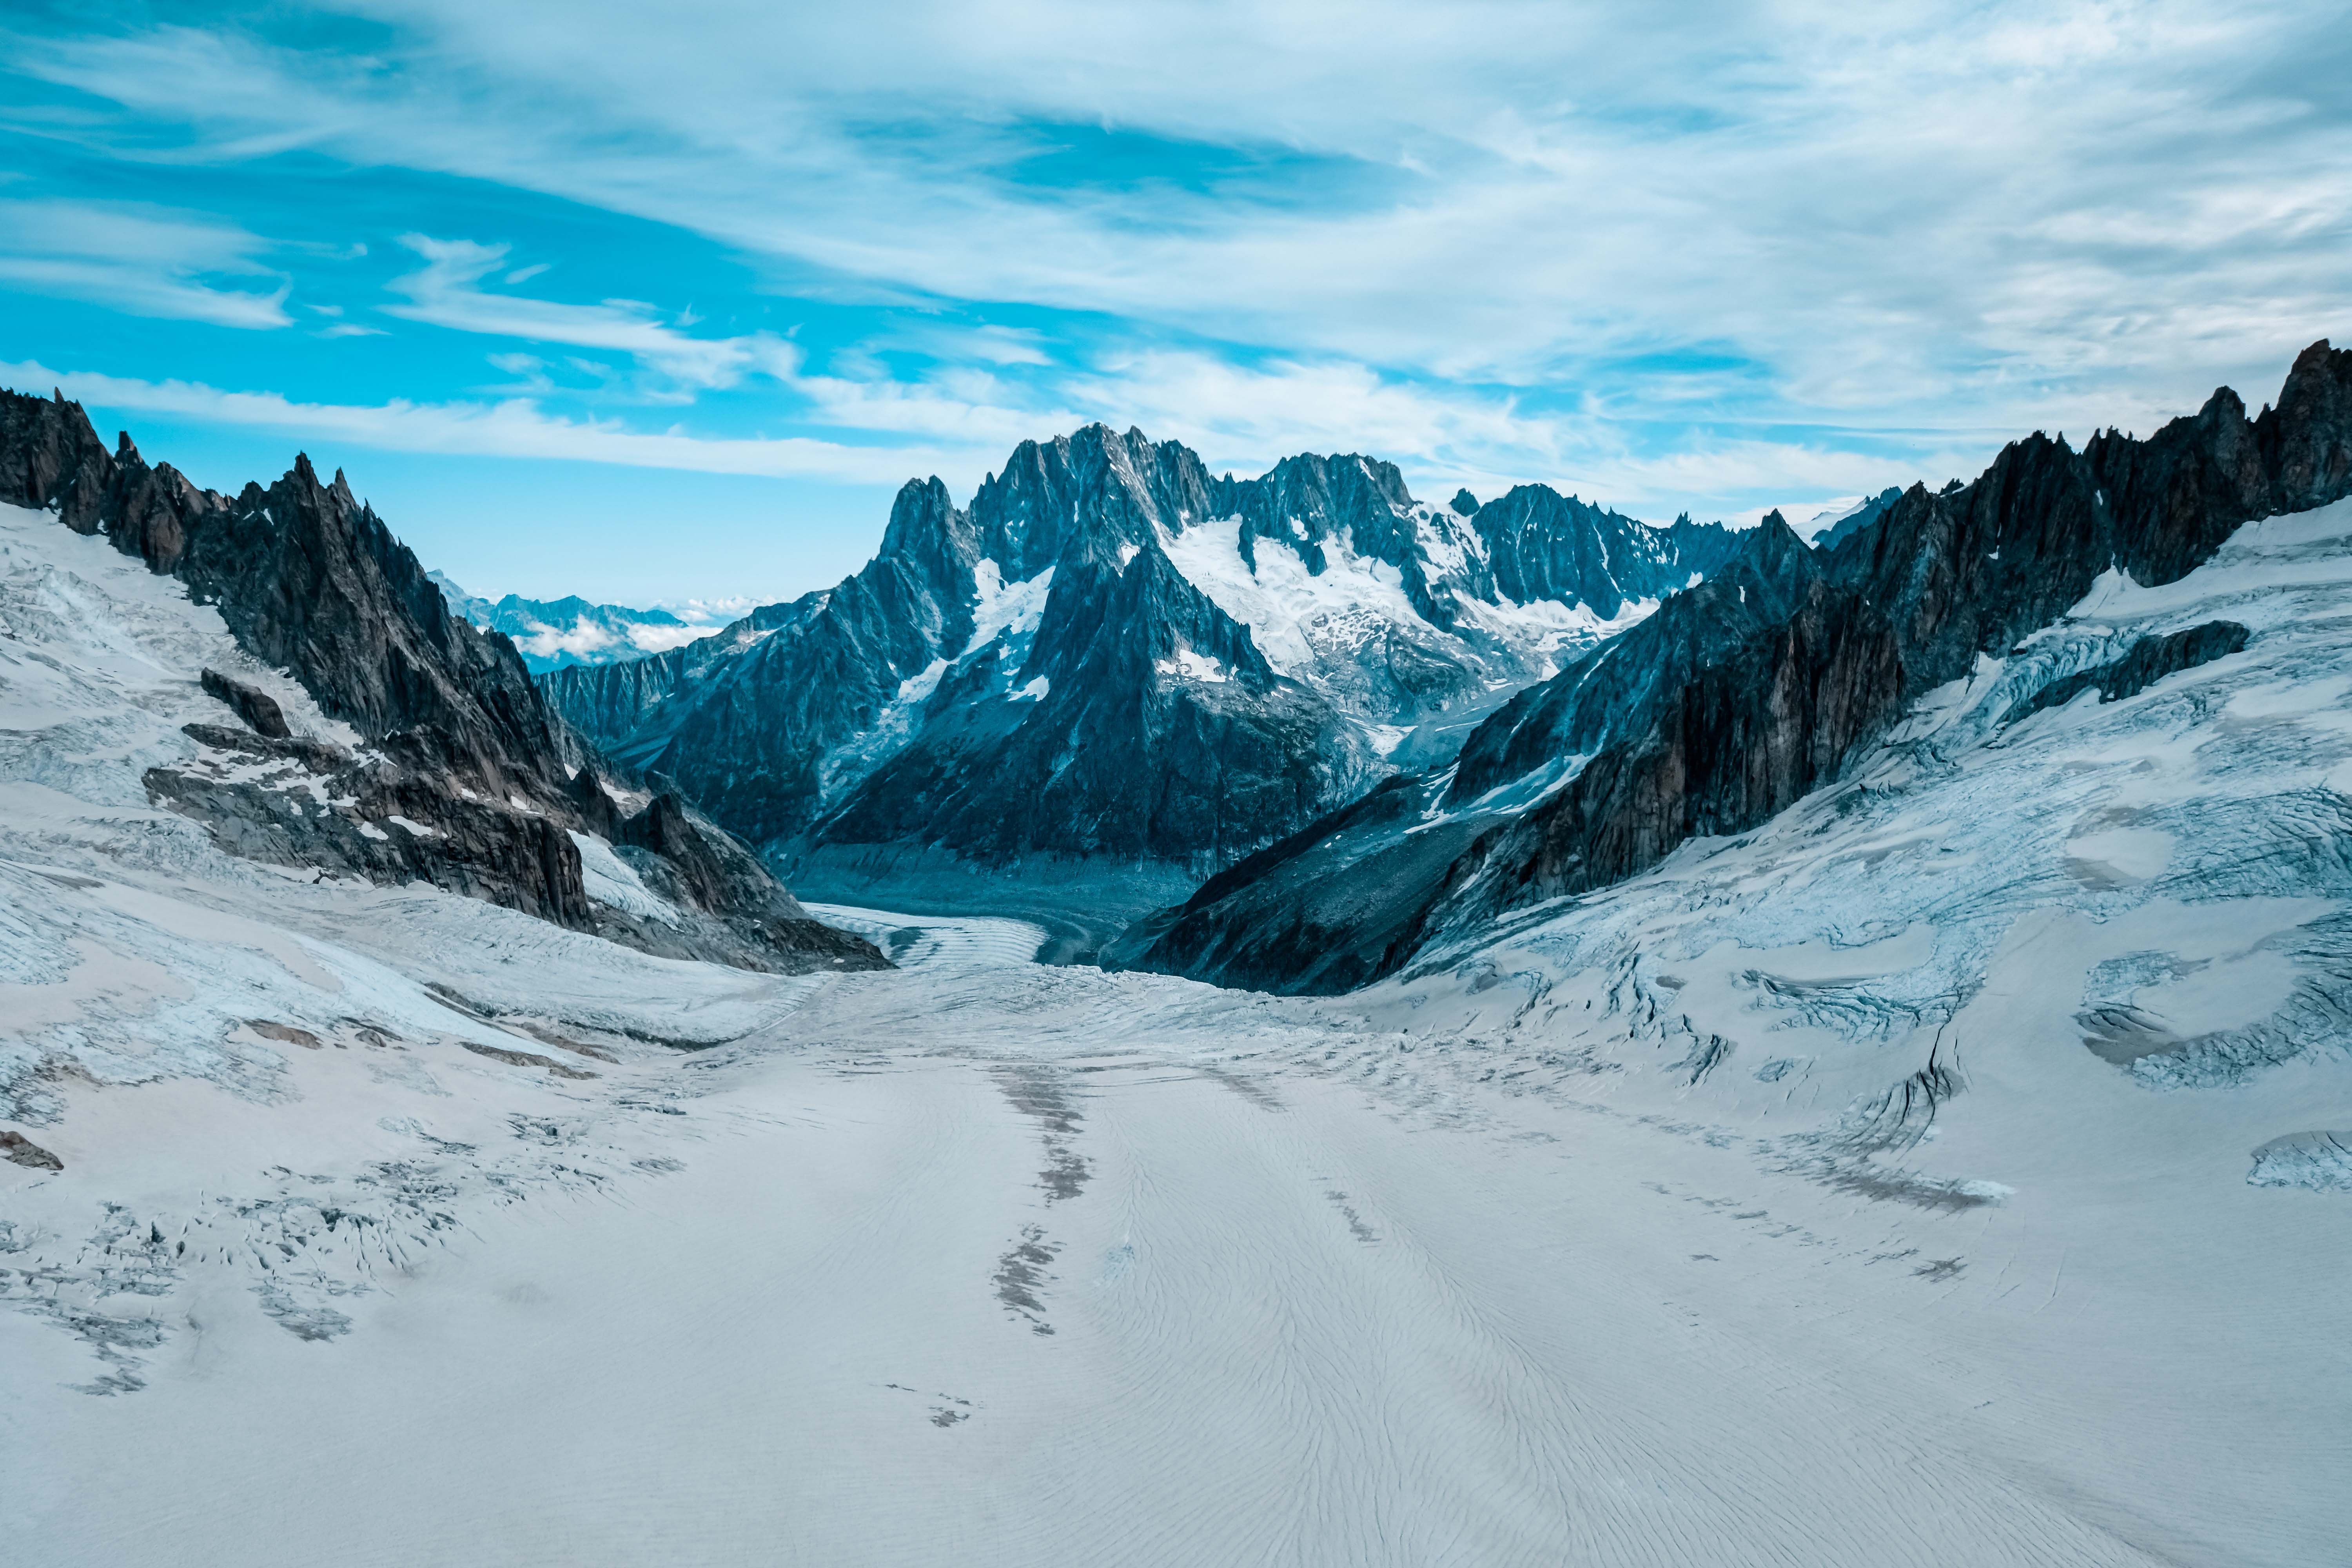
x=1200, y=667
x=613, y=880
x=1296, y=617
x=1941, y=1172
x=1339, y=629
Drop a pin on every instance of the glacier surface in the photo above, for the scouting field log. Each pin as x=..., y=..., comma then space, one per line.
x=1950, y=1171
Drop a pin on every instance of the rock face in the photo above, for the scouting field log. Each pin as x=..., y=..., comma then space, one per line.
x=1742, y=695
x=256, y=707
x=456, y=749
x=1118, y=669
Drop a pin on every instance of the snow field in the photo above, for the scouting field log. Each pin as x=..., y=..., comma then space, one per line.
x=1942, y=1173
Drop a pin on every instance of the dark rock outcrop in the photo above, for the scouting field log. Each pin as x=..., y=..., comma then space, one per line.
x=256, y=707
x=1334, y=906
x=2149, y=660
x=1541, y=544
x=462, y=780
x=1860, y=518
x=1110, y=761
x=19, y=1150
x=1744, y=694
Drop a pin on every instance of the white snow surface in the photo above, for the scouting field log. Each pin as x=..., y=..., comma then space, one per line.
x=613, y=880
x=998, y=608
x=1327, y=628
x=1193, y=666
x=1296, y=618
x=1771, y=1208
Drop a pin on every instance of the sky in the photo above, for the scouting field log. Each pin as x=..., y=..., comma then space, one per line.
x=661, y=304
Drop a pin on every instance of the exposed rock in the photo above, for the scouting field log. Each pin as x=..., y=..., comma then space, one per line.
x=526, y=1059
x=2149, y=661
x=466, y=779
x=1860, y=518
x=322, y=757
x=1541, y=544
x=19, y=1150
x=253, y=705
x=285, y=1034
x=1066, y=674
x=1742, y=695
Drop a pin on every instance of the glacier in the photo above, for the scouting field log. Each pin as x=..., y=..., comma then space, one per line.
x=1948, y=1170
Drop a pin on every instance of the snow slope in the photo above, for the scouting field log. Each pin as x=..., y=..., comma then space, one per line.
x=1778, y=1206
x=1322, y=628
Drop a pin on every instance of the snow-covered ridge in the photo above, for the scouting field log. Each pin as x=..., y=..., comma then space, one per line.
x=1390, y=628
x=2135, y=882
x=1323, y=626
x=100, y=660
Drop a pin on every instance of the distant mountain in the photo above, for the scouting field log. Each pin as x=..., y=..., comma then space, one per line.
x=353, y=727
x=1828, y=528
x=552, y=634
x=1115, y=672
x=1783, y=671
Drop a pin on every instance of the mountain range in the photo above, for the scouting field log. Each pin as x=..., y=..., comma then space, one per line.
x=1787, y=668
x=1873, y=1027
x=551, y=634
x=1292, y=732
x=1114, y=673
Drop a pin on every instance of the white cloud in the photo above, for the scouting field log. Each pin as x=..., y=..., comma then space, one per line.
x=584, y=638
x=447, y=293
x=1695, y=238
x=2002, y=214
x=711, y=612
x=516, y=427
x=142, y=260
x=661, y=639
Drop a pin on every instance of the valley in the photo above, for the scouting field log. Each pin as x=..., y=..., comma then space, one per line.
x=1944, y=1161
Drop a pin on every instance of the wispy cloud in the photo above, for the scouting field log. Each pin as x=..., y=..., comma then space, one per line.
x=515, y=428
x=1992, y=210
x=1682, y=255
x=141, y=261
x=447, y=293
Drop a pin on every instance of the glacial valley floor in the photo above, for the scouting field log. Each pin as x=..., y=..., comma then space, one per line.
x=985, y=1262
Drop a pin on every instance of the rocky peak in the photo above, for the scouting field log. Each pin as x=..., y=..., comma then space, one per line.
x=1541, y=544
x=463, y=755
x=1085, y=496
x=940, y=544
x=1099, y=618
x=1309, y=499
x=1112, y=654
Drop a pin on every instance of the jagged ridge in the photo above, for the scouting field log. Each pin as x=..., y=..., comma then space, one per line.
x=1742, y=695
x=1105, y=660
x=457, y=740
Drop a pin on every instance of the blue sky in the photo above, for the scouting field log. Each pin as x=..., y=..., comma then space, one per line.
x=662, y=303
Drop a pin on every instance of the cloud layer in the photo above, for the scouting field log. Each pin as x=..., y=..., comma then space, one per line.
x=1675, y=256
